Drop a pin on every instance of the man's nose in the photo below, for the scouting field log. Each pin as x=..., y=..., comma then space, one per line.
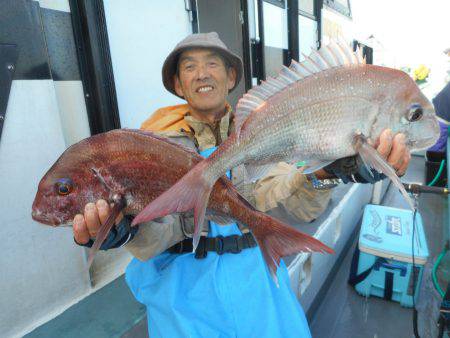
x=203, y=72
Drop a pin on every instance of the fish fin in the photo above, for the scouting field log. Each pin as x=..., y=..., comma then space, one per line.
x=311, y=65
x=319, y=59
x=335, y=54
x=190, y=192
x=102, y=179
x=277, y=240
x=255, y=172
x=314, y=165
x=351, y=55
x=374, y=160
x=118, y=205
x=339, y=51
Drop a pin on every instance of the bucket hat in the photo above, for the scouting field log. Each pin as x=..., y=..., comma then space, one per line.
x=199, y=40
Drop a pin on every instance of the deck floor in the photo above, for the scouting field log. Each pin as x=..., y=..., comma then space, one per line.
x=343, y=313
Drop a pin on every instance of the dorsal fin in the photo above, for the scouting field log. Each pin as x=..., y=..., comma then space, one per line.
x=335, y=54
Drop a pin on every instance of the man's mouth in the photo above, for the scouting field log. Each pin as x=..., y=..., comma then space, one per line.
x=204, y=89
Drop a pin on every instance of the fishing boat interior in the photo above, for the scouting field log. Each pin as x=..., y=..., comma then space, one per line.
x=70, y=69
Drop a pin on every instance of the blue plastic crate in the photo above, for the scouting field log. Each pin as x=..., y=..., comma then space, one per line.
x=385, y=244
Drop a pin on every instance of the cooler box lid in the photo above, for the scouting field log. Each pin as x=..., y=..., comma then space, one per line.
x=387, y=232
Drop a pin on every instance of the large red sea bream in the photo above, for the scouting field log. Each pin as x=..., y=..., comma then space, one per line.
x=130, y=168
x=325, y=108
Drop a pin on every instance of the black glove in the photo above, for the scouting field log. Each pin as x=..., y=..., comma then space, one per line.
x=119, y=235
x=352, y=169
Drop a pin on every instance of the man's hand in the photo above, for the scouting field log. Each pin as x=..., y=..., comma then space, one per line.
x=85, y=227
x=392, y=148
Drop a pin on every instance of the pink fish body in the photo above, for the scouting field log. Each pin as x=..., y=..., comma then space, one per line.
x=132, y=168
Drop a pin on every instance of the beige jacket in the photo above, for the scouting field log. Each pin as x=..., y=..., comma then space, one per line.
x=284, y=186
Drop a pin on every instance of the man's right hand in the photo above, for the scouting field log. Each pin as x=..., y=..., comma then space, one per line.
x=85, y=227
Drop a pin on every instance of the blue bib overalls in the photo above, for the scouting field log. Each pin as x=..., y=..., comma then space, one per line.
x=229, y=295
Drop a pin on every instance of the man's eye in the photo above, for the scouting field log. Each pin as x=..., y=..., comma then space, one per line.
x=189, y=67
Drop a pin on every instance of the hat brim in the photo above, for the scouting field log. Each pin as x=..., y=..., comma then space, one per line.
x=170, y=65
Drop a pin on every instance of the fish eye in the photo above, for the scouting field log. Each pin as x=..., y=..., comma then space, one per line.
x=415, y=113
x=64, y=186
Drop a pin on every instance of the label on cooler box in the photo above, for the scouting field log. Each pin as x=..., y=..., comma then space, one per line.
x=394, y=225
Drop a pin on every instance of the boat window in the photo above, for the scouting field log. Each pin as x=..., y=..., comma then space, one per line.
x=342, y=6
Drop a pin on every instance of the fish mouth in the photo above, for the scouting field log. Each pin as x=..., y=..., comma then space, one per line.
x=38, y=216
x=423, y=143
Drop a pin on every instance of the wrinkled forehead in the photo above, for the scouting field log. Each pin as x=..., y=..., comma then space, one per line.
x=200, y=54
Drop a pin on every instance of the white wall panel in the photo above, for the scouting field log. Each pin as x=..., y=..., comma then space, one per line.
x=307, y=35
x=141, y=34
x=275, y=26
x=58, y=5
x=42, y=270
x=72, y=110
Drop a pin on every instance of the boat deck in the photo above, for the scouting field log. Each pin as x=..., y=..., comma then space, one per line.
x=343, y=313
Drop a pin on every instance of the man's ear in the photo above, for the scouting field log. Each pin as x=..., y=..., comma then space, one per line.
x=177, y=86
x=231, y=77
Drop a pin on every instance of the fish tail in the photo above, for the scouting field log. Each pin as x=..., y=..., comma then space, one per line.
x=277, y=240
x=190, y=192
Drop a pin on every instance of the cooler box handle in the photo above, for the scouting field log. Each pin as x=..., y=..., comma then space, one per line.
x=390, y=266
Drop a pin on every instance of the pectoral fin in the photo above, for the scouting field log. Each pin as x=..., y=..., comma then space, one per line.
x=314, y=165
x=373, y=159
x=118, y=205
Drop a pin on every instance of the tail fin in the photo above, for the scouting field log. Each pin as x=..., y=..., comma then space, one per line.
x=190, y=192
x=277, y=240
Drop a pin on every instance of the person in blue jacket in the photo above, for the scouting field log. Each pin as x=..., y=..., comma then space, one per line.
x=224, y=289
x=442, y=106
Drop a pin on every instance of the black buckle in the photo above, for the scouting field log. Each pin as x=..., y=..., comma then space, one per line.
x=219, y=244
x=201, y=251
x=229, y=244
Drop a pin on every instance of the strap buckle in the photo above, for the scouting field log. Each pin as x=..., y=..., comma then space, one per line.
x=229, y=244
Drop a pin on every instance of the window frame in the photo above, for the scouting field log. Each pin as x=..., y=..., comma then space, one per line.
x=347, y=11
x=278, y=3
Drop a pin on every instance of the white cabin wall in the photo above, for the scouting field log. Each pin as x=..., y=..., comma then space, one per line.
x=43, y=271
x=41, y=267
x=141, y=34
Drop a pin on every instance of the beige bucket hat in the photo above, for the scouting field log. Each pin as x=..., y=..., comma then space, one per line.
x=200, y=40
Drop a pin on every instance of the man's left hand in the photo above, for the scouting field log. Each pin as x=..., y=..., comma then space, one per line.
x=394, y=150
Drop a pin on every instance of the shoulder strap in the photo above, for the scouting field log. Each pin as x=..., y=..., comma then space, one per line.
x=355, y=278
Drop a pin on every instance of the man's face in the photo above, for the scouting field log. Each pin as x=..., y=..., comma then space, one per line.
x=203, y=79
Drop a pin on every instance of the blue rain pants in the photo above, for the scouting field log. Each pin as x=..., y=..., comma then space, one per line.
x=229, y=295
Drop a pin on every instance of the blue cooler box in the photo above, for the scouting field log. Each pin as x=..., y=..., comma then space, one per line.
x=385, y=245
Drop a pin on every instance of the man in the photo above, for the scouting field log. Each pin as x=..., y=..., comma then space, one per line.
x=442, y=106
x=213, y=294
